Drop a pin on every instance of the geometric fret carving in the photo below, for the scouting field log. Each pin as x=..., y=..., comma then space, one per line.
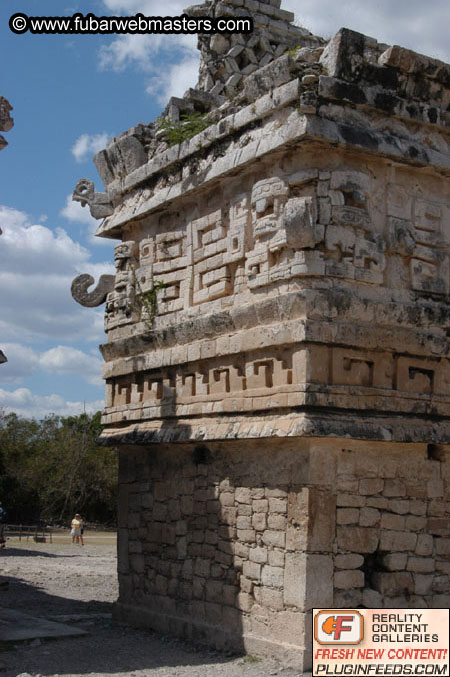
x=310, y=224
x=430, y=264
x=203, y=381
x=416, y=232
x=251, y=377
x=327, y=225
x=361, y=368
x=216, y=246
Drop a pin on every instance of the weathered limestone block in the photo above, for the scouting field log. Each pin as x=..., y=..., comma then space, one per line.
x=393, y=584
x=318, y=570
x=121, y=157
x=351, y=561
x=273, y=75
x=347, y=580
x=395, y=561
x=369, y=517
x=372, y=599
x=357, y=540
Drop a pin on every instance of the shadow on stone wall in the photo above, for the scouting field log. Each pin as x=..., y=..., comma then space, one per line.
x=205, y=551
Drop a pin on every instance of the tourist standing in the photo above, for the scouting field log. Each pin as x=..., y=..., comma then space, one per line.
x=76, y=526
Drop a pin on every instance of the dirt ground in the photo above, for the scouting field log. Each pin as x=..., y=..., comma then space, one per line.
x=78, y=585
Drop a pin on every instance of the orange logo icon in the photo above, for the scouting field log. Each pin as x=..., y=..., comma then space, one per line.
x=334, y=625
x=338, y=627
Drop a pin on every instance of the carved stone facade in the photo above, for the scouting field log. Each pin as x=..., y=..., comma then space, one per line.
x=277, y=365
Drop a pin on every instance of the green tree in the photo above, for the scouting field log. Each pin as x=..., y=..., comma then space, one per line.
x=51, y=468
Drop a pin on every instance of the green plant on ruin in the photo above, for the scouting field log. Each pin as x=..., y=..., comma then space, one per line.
x=149, y=300
x=189, y=126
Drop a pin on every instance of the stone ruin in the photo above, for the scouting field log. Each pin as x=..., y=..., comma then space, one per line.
x=6, y=123
x=277, y=365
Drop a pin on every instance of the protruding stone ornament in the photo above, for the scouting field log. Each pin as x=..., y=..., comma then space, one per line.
x=6, y=121
x=99, y=203
x=95, y=298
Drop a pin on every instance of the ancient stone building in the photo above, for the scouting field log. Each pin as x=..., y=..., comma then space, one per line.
x=277, y=364
x=6, y=123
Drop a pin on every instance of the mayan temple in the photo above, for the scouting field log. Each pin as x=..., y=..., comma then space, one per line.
x=277, y=356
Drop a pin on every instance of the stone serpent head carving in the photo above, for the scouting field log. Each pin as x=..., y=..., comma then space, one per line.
x=84, y=192
x=99, y=203
x=96, y=297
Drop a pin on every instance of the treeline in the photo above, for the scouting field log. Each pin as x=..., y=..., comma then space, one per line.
x=52, y=468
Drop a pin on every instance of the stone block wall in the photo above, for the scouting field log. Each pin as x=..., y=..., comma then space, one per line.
x=392, y=545
x=204, y=548
x=234, y=543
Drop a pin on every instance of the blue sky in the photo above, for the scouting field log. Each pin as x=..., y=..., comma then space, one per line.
x=70, y=95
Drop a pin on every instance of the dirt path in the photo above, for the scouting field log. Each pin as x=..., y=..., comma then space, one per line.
x=78, y=585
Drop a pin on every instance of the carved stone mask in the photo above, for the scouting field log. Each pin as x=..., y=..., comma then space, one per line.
x=268, y=199
x=84, y=192
x=123, y=252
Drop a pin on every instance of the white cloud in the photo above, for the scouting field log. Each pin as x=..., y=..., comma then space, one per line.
x=147, y=53
x=23, y=361
x=24, y=403
x=420, y=26
x=175, y=80
x=171, y=61
x=127, y=50
x=67, y=360
x=38, y=266
x=73, y=211
x=88, y=145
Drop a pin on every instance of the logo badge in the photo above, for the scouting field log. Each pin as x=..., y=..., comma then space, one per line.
x=344, y=626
